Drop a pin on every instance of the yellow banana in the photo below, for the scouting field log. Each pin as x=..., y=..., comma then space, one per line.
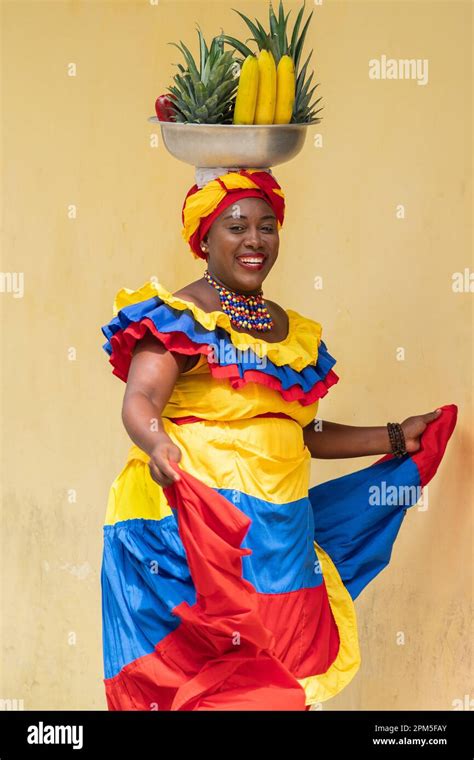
x=285, y=95
x=266, y=96
x=247, y=89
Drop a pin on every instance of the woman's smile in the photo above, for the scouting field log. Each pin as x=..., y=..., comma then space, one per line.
x=252, y=261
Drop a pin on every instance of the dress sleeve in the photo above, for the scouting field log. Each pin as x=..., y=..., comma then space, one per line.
x=176, y=330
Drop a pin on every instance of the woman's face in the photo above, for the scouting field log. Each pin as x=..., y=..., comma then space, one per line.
x=247, y=228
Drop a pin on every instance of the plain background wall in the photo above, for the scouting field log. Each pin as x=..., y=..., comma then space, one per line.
x=85, y=142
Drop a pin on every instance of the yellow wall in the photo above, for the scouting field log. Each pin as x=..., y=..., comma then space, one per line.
x=84, y=142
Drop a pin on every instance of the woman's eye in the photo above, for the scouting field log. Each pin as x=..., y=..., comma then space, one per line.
x=238, y=227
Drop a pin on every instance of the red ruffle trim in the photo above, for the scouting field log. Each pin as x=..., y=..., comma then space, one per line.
x=124, y=341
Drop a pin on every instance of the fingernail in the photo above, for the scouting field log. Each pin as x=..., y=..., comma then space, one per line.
x=438, y=410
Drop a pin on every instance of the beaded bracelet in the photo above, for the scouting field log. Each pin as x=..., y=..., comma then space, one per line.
x=397, y=439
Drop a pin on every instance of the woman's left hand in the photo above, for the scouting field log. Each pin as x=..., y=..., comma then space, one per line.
x=414, y=427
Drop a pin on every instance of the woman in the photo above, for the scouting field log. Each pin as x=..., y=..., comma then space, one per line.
x=227, y=583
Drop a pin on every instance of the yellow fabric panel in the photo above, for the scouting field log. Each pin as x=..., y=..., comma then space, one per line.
x=266, y=459
x=134, y=494
x=196, y=393
x=298, y=350
x=321, y=687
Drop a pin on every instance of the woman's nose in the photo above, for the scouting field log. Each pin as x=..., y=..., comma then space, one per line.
x=253, y=238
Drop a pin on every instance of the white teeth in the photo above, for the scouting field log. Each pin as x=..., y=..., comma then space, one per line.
x=252, y=261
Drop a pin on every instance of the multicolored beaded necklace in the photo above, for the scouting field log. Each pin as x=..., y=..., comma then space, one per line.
x=244, y=311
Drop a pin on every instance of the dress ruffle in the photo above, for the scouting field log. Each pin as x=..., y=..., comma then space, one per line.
x=299, y=367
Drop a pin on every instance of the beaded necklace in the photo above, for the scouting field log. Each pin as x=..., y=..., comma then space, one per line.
x=244, y=311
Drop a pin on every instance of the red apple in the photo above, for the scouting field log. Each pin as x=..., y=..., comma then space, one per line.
x=164, y=107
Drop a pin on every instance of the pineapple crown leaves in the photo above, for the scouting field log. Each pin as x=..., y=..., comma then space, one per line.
x=211, y=60
x=204, y=94
x=276, y=41
x=303, y=97
x=278, y=27
x=298, y=42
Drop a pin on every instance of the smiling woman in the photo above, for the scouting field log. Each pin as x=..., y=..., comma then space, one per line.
x=261, y=240
x=228, y=584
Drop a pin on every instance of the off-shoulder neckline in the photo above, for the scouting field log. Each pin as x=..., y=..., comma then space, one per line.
x=290, y=314
x=299, y=348
x=220, y=316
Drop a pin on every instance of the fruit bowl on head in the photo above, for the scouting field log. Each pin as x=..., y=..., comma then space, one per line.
x=239, y=145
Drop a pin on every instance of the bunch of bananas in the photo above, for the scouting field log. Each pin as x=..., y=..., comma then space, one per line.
x=282, y=42
x=266, y=93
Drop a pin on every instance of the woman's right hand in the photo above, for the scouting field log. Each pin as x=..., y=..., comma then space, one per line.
x=160, y=469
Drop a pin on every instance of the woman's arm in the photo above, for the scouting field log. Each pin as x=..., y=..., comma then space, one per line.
x=329, y=440
x=151, y=379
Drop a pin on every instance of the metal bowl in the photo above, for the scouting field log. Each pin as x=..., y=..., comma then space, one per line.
x=237, y=145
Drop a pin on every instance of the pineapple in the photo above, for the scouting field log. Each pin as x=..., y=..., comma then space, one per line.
x=205, y=95
x=276, y=40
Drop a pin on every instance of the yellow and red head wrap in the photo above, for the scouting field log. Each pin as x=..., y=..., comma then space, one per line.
x=202, y=205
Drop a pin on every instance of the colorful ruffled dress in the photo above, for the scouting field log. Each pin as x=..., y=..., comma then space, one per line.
x=234, y=588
